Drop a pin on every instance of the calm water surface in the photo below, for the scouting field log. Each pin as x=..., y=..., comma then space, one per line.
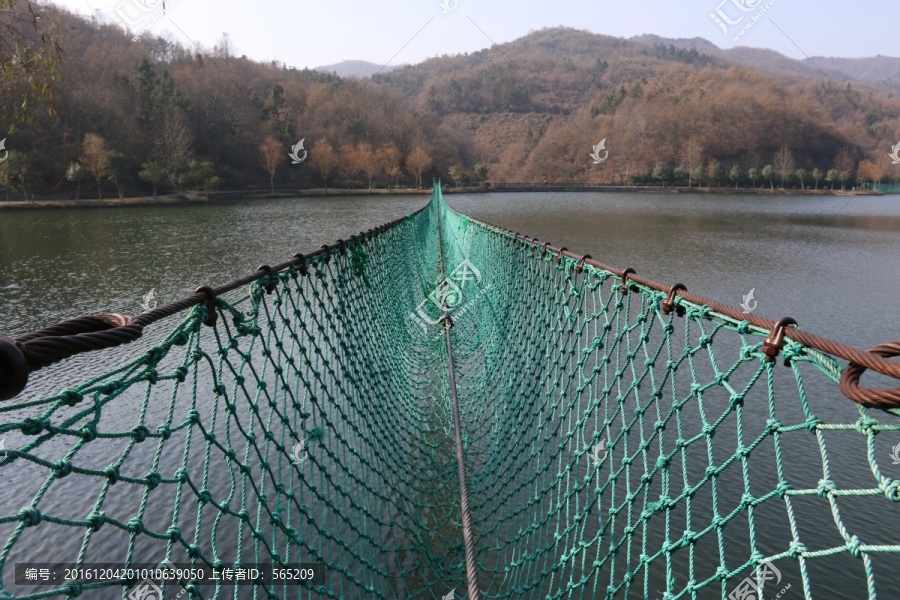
x=832, y=263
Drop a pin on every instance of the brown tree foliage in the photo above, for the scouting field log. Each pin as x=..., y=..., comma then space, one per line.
x=418, y=162
x=783, y=162
x=93, y=158
x=272, y=155
x=324, y=160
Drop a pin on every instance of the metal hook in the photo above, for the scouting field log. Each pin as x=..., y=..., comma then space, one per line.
x=211, y=315
x=669, y=302
x=270, y=286
x=773, y=344
x=624, y=287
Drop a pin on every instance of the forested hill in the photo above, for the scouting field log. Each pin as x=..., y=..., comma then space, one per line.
x=536, y=106
x=139, y=114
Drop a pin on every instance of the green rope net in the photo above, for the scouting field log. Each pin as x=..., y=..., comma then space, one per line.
x=612, y=451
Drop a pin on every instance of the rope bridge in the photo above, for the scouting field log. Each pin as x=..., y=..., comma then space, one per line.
x=439, y=408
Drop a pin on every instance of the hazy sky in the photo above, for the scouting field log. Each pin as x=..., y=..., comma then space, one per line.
x=309, y=33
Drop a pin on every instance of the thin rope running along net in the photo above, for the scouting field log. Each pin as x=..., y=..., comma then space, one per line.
x=613, y=449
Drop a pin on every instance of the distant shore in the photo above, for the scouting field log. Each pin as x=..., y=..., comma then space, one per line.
x=195, y=198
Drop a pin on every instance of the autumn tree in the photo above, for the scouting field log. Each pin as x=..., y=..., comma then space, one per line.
x=272, y=156
x=783, y=162
x=93, y=157
x=418, y=162
x=324, y=159
x=367, y=161
x=639, y=126
x=844, y=164
x=816, y=175
x=691, y=158
x=871, y=171
x=389, y=161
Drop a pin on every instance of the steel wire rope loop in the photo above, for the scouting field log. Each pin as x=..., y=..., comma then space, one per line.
x=882, y=398
x=21, y=356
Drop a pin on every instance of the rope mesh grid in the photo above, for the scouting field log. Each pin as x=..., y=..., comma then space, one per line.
x=612, y=451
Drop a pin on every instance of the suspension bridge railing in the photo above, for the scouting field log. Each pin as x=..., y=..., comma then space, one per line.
x=440, y=408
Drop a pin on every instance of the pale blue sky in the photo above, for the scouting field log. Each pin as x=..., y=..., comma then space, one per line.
x=308, y=33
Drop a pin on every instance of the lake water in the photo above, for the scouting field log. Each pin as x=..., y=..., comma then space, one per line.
x=831, y=262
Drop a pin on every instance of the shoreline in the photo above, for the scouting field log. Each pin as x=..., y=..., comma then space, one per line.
x=214, y=197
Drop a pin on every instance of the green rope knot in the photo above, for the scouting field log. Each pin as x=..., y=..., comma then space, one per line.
x=180, y=373
x=825, y=488
x=866, y=425
x=174, y=533
x=70, y=396
x=783, y=488
x=892, y=490
x=112, y=473
x=164, y=431
x=111, y=386
x=75, y=589
x=813, y=423
x=29, y=516
x=153, y=479
x=854, y=547
x=95, y=521
x=62, y=468
x=88, y=432
x=797, y=549
x=205, y=496
x=33, y=426
x=140, y=433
